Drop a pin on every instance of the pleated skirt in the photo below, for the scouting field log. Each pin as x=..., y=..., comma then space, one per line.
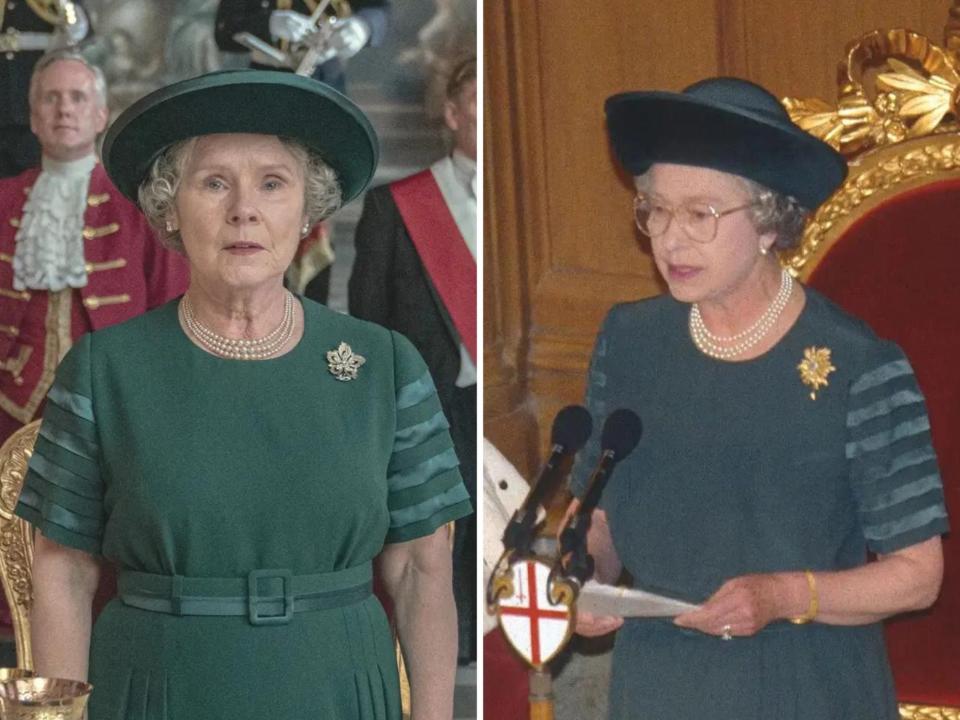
x=337, y=663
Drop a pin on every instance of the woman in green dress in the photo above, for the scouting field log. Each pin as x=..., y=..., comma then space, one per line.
x=783, y=440
x=242, y=455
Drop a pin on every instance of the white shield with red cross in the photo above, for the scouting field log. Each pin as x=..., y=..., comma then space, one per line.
x=535, y=627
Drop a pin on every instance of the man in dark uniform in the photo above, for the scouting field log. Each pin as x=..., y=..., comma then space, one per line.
x=416, y=273
x=28, y=28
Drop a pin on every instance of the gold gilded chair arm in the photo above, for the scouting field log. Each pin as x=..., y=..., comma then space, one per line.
x=928, y=712
x=16, y=538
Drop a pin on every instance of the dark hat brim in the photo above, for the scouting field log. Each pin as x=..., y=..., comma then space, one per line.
x=243, y=101
x=662, y=127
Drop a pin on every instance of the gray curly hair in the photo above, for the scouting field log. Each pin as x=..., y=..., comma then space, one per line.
x=773, y=212
x=158, y=191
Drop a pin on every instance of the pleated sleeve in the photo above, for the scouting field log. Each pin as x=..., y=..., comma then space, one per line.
x=62, y=492
x=424, y=483
x=894, y=472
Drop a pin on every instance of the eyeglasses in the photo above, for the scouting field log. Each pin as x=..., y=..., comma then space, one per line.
x=697, y=219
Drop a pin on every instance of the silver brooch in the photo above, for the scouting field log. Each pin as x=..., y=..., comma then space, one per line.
x=344, y=363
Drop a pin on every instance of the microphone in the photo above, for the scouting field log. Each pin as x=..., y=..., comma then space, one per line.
x=571, y=430
x=621, y=433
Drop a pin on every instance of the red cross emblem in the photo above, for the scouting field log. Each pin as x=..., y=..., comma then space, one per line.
x=535, y=628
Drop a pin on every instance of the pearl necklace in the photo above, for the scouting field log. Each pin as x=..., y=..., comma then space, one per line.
x=240, y=348
x=726, y=347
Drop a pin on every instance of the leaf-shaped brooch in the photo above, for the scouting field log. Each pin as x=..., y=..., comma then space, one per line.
x=814, y=369
x=344, y=362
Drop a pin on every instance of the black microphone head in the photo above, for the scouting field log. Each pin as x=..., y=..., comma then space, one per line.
x=621, y=433
x=571, y=428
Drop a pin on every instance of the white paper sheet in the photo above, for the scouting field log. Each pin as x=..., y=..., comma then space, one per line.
x=602, y=599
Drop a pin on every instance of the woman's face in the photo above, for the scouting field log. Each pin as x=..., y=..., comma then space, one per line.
x=698, y=271
x=240, y=210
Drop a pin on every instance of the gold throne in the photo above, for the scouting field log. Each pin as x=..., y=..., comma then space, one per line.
x=884, y=247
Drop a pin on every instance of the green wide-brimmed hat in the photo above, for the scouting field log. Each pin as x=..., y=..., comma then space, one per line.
x=264, y=102
x=726, y=124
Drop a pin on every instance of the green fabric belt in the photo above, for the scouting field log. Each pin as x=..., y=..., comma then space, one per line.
x=266, y=597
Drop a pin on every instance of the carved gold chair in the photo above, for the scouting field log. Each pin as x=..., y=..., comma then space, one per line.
x=885, y=247
x=16, y=538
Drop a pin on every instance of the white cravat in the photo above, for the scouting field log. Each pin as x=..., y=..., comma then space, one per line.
x=49, y=253
x=456, y=177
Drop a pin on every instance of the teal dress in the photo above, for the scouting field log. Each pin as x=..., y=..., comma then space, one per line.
x=179, y=467
x=741, y=471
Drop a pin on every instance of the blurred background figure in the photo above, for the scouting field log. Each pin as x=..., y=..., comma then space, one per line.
x=81, y=257
x=27, y=30
x=416, y=273
x=283, y=25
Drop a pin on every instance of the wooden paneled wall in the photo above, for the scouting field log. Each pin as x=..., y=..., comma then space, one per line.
x=560, y=247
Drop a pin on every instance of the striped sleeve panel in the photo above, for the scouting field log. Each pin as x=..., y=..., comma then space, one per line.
x=62, y=493
x=894, y=471
x=424, y=483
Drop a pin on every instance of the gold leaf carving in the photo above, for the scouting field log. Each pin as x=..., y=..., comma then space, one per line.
x=16, y=539
x=895, y=85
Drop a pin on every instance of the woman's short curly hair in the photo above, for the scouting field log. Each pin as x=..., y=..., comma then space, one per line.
x=773, y=212
x=158, y=191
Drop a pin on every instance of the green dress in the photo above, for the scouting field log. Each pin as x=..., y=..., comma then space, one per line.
x=170, y=461
x=740, y=471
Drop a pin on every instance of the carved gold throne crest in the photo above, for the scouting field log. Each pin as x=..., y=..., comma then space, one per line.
x=895, y=120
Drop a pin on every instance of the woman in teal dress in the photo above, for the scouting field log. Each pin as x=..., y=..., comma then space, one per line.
x=783, y=440
x=241, y=455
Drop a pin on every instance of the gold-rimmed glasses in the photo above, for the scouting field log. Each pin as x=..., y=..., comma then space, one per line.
x=699, y=220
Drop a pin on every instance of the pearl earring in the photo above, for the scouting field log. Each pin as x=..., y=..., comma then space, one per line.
x=169, y=226
x=764, y=249
x=305, y=230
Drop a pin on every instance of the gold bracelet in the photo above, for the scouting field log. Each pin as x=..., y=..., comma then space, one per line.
x=814, y=607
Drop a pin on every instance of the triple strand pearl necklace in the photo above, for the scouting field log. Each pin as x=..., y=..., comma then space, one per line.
x=240, y=348
x=726, y=347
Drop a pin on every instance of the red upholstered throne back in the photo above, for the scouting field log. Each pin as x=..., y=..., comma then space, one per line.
x=897, y=268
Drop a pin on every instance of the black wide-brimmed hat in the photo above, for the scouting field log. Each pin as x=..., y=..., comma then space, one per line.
x=264, y=102
x=726, y=124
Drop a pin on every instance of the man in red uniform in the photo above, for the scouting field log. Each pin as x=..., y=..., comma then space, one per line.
x=75, y=256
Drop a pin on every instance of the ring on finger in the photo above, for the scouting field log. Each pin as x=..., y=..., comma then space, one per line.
x=726, y=633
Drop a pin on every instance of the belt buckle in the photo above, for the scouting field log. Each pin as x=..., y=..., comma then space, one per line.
x=254, y=598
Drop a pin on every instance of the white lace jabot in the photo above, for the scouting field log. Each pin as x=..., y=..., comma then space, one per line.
x=49, y=253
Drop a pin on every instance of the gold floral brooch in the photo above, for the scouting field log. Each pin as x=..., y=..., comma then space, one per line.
x=814, y=369
x=344, y=362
